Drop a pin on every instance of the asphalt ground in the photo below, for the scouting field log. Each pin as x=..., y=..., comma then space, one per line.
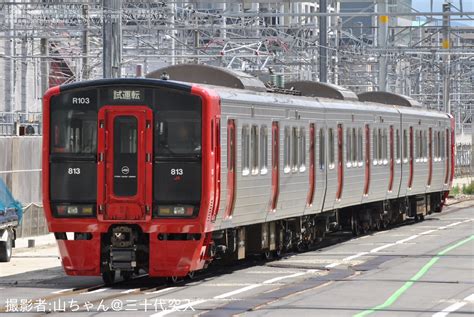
x=418, y=269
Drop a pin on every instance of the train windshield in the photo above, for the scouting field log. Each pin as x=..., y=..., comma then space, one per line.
x=74, y=131
x=178, y=133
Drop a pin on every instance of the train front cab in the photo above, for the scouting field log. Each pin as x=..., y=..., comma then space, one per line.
x=132, y=199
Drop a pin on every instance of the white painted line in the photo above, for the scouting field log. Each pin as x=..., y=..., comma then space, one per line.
x=100, y=290
x=130, y=291
x=355, y=256
x=226, y=295
x=450, y=309
x=160, y=290
x=382, y=247
x=63, y=291
x=427, y=232
x=407, y=239
x=455, y=306
x=332, y=265
x=237, y=291
x=276, y=279
x=388, y=245
x=454, y=224
x=470, y=298
x=180, y=308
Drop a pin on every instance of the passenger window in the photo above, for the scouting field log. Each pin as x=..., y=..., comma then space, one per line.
x=349, y=150
x=355, y=150
x=405, y=146
x=360, y=150
x=425, y=146
x=254, y=149
x=302, y=150
x=75, y=131
x=376, y=146
x=294, y=149
x=178, y=133
x=231, y=145
x=263, y=150
x=420, y=145
x=322, y=149
x=331, y=147
x=397, y=146
x=443, y=146
x=287, y=154
x=380, y=146
x=384, y=147
x=245, y=150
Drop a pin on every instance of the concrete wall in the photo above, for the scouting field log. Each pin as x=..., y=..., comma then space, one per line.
x=20, y=168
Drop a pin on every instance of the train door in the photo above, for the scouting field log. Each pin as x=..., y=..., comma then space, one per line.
x=125, y=163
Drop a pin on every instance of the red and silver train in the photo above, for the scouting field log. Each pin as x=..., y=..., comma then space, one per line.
x=165, y=176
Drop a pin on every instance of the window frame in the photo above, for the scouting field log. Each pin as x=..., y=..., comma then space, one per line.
x=263, y=150
x=322, y=149
x=245, y=146
x=287, y=149
x=331, y=149
x=302, y=150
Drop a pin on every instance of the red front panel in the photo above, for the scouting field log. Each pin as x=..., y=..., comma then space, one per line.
x=124, y=170
x=166, y=257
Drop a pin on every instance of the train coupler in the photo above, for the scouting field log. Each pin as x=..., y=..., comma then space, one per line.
x=123, y=259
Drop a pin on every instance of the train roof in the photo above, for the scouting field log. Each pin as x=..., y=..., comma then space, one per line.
x=236, y=85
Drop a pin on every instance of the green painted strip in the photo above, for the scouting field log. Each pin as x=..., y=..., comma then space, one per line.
x=393, y=298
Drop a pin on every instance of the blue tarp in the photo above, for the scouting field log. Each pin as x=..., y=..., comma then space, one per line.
x=10, y=209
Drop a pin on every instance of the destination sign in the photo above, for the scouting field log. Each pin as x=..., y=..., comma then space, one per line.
x=127, y=94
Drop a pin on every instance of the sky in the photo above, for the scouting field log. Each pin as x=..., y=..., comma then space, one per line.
x=424, y=5
x=467, y=5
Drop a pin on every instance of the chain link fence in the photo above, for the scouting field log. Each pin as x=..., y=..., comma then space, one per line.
x=20, y=123
x=33, y=223
x=463, y=167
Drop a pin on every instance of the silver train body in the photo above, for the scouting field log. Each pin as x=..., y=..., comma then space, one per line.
x=253, y=190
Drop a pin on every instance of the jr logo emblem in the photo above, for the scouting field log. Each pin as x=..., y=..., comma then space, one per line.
x=125, y=170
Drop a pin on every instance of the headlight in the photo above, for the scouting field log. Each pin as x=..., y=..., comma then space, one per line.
x=174, y=211
x=74, y=210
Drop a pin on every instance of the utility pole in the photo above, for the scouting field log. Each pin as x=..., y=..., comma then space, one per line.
x=44, y=67
x=382, y=38
x=112, y=38
x=8, y=66
x=323, y=42
x=23, y=72
x=85, y=42
x=446, y=44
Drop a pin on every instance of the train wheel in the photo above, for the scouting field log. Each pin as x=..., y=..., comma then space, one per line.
x=6, y=247
x=268, y=255
x=191, y=275
x=173, y=279
x=108, y=277
x=277, y=253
